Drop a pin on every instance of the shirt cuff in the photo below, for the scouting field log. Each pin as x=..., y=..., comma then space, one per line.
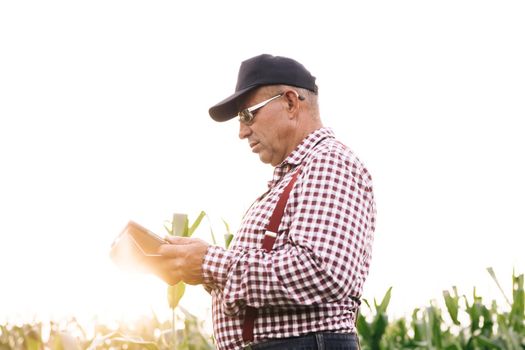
x=216, y=265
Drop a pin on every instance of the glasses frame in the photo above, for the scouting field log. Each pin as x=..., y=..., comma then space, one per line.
x=247, y=116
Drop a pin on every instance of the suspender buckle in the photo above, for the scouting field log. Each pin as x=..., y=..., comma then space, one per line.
x=271, y=234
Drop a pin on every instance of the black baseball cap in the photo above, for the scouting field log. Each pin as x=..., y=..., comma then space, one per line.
x=260, y=71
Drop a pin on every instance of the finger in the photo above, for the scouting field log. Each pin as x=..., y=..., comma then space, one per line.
x=170, y=278
x=166, y=269
x=171, y=250
x=178, y=240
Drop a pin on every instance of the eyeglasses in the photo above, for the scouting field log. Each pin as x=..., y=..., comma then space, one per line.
x=246, y=116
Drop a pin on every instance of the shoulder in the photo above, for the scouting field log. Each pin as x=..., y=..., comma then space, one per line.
x=331, y=158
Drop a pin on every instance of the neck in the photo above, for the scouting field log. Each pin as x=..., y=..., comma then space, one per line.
x=303, y=129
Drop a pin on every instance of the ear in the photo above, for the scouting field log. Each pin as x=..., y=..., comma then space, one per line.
x=292, y=99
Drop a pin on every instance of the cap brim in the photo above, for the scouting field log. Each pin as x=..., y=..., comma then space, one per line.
x=227, y=108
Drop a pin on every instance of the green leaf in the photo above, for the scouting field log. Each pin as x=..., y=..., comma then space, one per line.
x=493, y=275
x=168, y=227
x=195, y=224
x=32, y=344
x=434, y=318
x=228, y=236
x=175, y=294
x=363, y=328
x=100, y=340
x=384, y=303
x=143, y=343
x=227, y=226
x=453, y=346
x=214, y=241
x=487, y=343
x=511, y=339
x=488, y=323
x=378, y=330
x=116, y=337
x=418, y=326
x=517, y=312
x=179, y=224
x=365, y=301
x=452, y=304
x=32, y=339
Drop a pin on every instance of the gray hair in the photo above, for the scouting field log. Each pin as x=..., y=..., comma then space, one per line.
x=310, y=98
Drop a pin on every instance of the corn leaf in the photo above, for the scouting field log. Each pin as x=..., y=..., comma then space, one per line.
x=434, y=318
x=452, y=304
x=227, y=226
x=168, y=227
x=32, y=343
x=418, y=327
x=228, y=236
x=130, y=340
x=175, y=294
x=214, y=241
x=100, y=340
x=179, y=224
x=384, y=303
x=363, y=328
x=227, y=240
x=365, y=301
x=487, y=343
x=511, y=339
x=378, y=329
x=517, y=312
x=493, y=275
x=195, y=224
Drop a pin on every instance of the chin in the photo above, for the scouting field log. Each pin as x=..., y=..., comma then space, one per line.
x=265, y=160
x=268, y=159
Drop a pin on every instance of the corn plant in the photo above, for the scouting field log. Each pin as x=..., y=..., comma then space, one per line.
x=372, y=332
x=228, y=235
x=511, y=324
x=180, y=227
x=147, y=333
x=486, y=326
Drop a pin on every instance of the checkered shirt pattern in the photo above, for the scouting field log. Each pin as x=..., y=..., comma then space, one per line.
x=311, y=279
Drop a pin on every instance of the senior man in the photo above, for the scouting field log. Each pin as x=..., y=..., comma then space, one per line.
x=294, y=274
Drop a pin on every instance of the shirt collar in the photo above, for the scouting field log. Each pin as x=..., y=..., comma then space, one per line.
x=297, y=156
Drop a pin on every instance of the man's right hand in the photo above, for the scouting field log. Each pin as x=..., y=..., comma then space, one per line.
x=181, y=260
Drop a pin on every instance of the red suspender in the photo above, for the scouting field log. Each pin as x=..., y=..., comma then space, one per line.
x=268, y=241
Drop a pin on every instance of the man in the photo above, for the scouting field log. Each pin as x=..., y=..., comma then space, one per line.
x=303, y=291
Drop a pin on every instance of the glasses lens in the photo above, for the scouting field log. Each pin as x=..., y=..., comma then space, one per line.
x=245, y=116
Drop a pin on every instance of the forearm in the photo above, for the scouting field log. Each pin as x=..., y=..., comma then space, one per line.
x=289, y=276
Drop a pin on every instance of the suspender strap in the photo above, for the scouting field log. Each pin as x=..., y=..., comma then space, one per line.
x=268, y=242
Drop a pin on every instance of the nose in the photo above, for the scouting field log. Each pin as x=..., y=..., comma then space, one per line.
x=244, y=130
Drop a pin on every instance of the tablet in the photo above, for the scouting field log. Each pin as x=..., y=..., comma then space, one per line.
x=146, y=241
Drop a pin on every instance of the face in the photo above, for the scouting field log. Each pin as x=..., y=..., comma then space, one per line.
x=268, y=135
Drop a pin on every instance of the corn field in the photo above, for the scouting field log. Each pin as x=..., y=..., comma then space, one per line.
x=147, y=333
x=487, y=325
x=467, y=322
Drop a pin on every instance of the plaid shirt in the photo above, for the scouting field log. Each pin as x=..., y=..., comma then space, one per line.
x=311, y=279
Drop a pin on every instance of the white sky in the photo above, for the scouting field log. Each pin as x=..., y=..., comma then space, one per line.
x=103, y=118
